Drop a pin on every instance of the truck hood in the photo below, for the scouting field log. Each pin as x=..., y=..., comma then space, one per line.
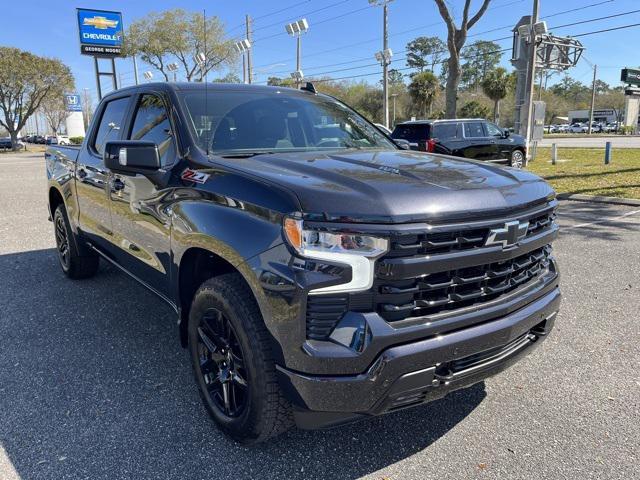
x=395, y=185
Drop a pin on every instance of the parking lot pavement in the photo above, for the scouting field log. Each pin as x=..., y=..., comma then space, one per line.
x=94, y=384
x=596, y=141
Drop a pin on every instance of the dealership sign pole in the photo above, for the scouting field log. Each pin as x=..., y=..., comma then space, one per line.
x=101, y=34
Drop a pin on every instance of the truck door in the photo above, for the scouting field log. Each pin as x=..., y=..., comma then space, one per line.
x=91, y=175
x=141, y=225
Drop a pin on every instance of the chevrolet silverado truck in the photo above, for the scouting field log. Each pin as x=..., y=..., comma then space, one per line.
x=320, y=273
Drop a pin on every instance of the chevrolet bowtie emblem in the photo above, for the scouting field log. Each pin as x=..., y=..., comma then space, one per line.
x=509, y=235
x=101, y=23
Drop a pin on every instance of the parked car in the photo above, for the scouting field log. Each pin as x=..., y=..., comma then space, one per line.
x=5, y=143
x=39, y=139
x=383, y=128
x=578, y=128
x=319, y=275
x=470, y=138
x=58, y=140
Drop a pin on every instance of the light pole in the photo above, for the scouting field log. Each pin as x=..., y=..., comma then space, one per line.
x=296, y=29
x=393, y=97
x=243, y=46
x=385, y=60
x=173, y=67
x=201, y=60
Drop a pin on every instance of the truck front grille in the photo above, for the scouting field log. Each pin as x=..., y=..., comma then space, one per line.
x=432, y=274
x=453, y=289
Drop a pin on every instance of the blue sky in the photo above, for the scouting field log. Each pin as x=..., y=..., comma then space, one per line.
x=343, y=33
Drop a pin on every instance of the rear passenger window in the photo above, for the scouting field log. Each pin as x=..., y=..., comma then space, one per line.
x=445, y=131
x=473, y=130
x=151, y=124
x=111, y=123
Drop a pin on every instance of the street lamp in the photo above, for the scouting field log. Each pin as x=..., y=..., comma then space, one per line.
x=384, y=57
x=201, y=60
x=296, y=29
x=173, y=67
x=243, y=47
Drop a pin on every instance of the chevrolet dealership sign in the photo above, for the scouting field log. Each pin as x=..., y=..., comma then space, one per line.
x=100, y=32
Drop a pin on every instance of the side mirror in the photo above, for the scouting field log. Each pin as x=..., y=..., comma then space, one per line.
x=402, y=144
x=506, y=133
x=131, y=157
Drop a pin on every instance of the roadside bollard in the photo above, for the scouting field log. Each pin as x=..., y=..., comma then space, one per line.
x=554, y=153
x=607, y=153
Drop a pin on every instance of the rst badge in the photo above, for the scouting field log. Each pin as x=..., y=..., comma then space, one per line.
x=194, y=176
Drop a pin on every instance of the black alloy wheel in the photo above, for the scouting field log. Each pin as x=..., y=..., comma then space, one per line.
x=62, y=242
x=221, y=364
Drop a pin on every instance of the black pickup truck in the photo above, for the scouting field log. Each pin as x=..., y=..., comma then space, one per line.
x=319, y=272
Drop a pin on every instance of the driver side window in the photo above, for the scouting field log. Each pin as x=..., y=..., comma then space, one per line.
x=151, y=124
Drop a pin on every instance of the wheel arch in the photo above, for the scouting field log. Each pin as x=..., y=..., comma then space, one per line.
x=198, y=264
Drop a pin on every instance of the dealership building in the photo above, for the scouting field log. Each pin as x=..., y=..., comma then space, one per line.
x=605, y=115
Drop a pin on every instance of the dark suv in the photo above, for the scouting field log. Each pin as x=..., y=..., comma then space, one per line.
x=471, y=138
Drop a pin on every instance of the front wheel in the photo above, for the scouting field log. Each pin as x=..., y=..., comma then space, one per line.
x=232, y=362
x=517, y=159
x=73, y=264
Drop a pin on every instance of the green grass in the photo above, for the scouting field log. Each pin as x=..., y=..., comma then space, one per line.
x=582, y=170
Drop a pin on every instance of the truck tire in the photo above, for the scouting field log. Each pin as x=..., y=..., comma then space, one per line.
x=233, y=364
x=73, y=264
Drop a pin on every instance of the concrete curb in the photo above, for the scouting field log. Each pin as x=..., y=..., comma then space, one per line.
x=596, y=199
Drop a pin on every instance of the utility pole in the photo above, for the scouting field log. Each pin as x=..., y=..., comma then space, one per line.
x=249, y=69
x=385, y=65
x=593, y=98
x=531, y=78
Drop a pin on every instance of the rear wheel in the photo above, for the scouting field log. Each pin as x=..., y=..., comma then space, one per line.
x=73, y=264
x=232, y=361
x=517, y=159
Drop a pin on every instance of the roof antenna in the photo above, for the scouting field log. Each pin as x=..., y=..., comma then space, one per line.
x=204, y=77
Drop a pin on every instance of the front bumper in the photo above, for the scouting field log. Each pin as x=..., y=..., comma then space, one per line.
x=421, y=371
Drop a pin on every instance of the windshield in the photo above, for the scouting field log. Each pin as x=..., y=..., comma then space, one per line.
x=237, y=122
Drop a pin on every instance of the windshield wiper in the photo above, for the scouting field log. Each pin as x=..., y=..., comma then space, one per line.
x=243, y=154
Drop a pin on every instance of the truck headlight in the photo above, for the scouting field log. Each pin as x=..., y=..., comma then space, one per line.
x=358, y=251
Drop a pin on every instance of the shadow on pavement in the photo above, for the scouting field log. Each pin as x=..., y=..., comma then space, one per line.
x=94, y=384
x=596, y=220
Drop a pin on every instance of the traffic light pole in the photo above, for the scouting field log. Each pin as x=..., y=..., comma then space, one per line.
x=531, y=80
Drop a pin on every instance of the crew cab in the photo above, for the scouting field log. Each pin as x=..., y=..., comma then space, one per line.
x=473, y=138
x=319, y=273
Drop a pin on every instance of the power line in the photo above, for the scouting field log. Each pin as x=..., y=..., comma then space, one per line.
x=564, y=12
x=481, y=33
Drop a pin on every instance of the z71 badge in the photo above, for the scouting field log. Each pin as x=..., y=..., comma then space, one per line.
x=194, y=176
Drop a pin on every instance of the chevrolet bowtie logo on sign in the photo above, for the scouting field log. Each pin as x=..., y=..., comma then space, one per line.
x=509, y=235
x=100, y=23
x=100, y=32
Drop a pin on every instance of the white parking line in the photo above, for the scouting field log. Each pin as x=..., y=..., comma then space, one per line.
x=608, y=220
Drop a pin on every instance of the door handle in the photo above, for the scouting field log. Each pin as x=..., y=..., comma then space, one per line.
x=117, y=185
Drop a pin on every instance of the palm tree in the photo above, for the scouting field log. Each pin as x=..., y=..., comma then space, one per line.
x=496, y=86
x=423, y=90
